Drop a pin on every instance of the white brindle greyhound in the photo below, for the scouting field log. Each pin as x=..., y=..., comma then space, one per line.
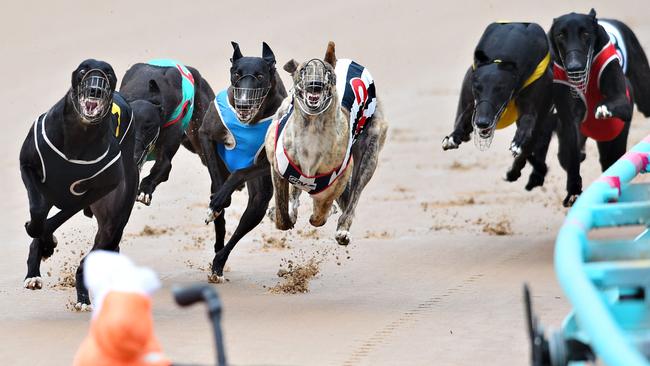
x=325, y=140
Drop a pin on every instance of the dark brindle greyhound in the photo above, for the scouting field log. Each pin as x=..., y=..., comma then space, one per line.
x=232, y=138
x=510, y=80
x=592, y=95
x=169, y=101
x=79, y=156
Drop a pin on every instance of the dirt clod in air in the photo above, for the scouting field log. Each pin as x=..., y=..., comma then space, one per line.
x=295, y=276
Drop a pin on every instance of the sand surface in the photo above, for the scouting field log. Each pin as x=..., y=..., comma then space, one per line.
x=424, y=281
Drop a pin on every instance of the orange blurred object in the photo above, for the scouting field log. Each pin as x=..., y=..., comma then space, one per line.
x=121, y=334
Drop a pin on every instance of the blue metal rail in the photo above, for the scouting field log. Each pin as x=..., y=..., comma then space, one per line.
x=608, y=281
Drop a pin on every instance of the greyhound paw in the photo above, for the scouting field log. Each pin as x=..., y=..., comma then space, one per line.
x=82, y=308
x=449, y=143
x=284, y=224
x=512, y=176
x=515, y=149
x=215, y=278
x=603, y=112
x=33, y=283
x=534, y=180
x=47, y=247
x=219, y=202
x=317, y=222
x=144, y=198
x=212, y=215
x=343, y=237
x=569, y=200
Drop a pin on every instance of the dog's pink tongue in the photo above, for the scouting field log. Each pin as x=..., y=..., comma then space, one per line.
x=91, y=105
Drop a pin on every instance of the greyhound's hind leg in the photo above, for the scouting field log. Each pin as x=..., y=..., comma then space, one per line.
x=260, y=191
x=364, y=167
x=294, y=201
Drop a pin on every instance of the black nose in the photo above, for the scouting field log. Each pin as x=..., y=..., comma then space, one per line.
x=483, y=122
x=484, y=115
x=574, y=62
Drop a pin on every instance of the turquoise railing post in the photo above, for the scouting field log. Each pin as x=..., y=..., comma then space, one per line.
x=586, y=281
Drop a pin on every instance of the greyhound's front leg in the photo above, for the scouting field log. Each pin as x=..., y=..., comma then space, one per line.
x=38, y=205
x=617, y=102
x=462, y=129
x=525, y=126
x=43, y=247
x=463, y=123
x=281, y=188
x=160, y=170
x=569, y=156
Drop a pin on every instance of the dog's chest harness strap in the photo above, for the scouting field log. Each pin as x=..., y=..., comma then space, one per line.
x=183, y=112
x=597, y=129
x=291, y=171
x=63, y=179
x=249, y=138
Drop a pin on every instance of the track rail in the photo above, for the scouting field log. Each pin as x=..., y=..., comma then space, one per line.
x=608, y=281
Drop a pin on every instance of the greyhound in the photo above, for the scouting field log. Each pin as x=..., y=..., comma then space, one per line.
x=169, y=101
x=79, y=156
x=329, y=145
x=592, y=95
x=232, y=138
x=510, y=80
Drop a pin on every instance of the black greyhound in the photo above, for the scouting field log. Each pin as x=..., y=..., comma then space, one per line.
x=169, y=101
x=83, y=162
x=510, y=80
x=592, y=95
x=232, y=138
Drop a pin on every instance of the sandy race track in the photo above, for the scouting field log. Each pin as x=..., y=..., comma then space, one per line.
x=428, y=279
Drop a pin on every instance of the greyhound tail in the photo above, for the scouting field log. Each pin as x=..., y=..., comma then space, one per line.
x=638, y=71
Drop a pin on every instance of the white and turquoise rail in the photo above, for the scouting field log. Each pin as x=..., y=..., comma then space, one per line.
x=608, y=281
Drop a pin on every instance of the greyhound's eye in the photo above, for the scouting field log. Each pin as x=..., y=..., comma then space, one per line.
x=237, y=75
x=260, y=77
x=585, y=35
x=82, y=72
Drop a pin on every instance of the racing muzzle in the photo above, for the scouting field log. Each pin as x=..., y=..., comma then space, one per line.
x=314, y=88
x=248, y=101
x=93, y=96
x=579, y=79
x=484, y=132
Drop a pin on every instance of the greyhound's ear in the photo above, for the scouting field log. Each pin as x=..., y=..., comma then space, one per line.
x=267, y=54
x=153, y=87
x=480, y=57
x=291, y=66
x=156, y=97
x=330, y=54
x=592, y=13
x=112, y=79
x=236, y=55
